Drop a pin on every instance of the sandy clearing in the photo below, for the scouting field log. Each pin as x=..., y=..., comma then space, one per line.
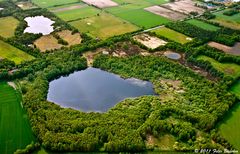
x=165, y=12
x=101, y=3
x=72, y=39
x=47, y=42
x=12, y=84
x=219, y=46
x=184, y=6
x=149, y=41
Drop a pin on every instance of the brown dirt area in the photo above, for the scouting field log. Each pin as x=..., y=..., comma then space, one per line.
x=47, y=42
x=149, y=41
x=72, y=39
x=101, y=3
x=183, y=6
x=235, y=50
x=172, y=15
x=77, y=6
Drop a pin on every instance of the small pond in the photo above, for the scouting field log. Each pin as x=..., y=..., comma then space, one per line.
x=172, y=55
x=39, y=24
x=94, y=90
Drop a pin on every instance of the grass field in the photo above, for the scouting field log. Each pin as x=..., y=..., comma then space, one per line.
x=230, y=127
x=12, y=53
x=8, y=26
x=15, y=130
x=172, y=35
x=104, y=26
x=228, y=21
x=84, y=12
x=52, y=3
x=136, y=14
x=203, y=25
x=230, y=69
x=236, y=88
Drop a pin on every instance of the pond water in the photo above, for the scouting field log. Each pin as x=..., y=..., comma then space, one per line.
x=39, y=24
x=94, y=90
x=172, y=55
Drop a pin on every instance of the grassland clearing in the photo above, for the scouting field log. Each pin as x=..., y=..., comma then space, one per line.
x=203, y=25
x=72, y=39
x=47, y=43
x=227, y=21
x=235, y=50
x=104, y=26
x=101, y=3
x=15, y=130
x=26, y=5
x=75, y=12
x=8, y=26
x=172, y=35
x=230, y=127
x=165, y=13
x=53, y=3
x=11, y=53
x=229, y=69
x=183, y=6
x=149, y=41
x=164, y=142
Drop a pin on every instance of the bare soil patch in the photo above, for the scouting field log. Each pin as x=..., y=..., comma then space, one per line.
x=235, y=50
x=165, y=13
x=101, y=3
x=183, y=6
x=149, y=41
x=72, y=39
x=47, y=42
x=78, y=6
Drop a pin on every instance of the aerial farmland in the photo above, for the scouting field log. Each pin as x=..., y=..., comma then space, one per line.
x=119, y=76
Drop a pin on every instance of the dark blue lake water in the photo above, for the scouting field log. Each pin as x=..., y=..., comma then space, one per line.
x=95, y=90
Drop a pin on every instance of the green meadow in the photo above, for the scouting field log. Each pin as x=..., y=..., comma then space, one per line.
x=53, y=3
x=203, y=25
x=6, y=30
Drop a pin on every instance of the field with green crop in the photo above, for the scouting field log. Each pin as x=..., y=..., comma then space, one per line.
x=52, y=3
x=236, y=88
x=230, y=127
x=203, y=25
x=104, y=26
x=228, y=21
x=137, y=15
x=230, y=69
x=84, y=11
x=12, y=53
x=8, y=26
x=172, y=35
x=15, y=130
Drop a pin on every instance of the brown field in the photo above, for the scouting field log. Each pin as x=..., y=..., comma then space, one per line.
x=235, y=50
x=26, y=5
x=172, y=15
x=47, y=42
x=149, y=41
x=77, y=6
x=72, y=39
x=101, y=3
x=183, y=6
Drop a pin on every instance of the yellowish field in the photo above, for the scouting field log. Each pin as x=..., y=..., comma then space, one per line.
x=47, y=42
x=8, y=26
x=72, y=39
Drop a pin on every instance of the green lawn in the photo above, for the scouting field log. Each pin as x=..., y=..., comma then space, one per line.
x=236, y=88
x=52, y=3
x=228, y=21
x=203, y=25
x=8, y=26
x=84, y=12
x=136, y=14
x=172, y=35
x=104, y=26
x=230, y=127
x=15, y=130
x=230, y=69
x=12, y=53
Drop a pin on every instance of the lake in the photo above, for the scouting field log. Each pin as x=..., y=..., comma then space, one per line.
x=39, y=25
x=94, y=90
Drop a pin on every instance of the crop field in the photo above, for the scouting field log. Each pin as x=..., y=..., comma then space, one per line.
x=101, y=3
x=104, y=26
x=236, y=88
x=75, y=12
x=12, y=53
x=172, y=35
x=230, y=127
x=6, y=30
x=228, y=21
x=203, y=25
x=15, y=130
x=53, y=3
x=230, y=69
x=47, y=42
